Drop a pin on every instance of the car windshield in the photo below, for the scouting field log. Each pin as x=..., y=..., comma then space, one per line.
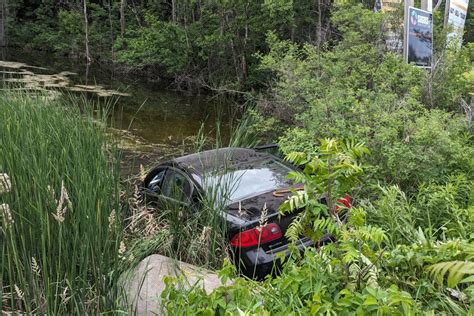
x=247, y=180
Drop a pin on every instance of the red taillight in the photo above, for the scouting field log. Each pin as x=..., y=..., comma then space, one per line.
x=346, y=201
x=256, y=236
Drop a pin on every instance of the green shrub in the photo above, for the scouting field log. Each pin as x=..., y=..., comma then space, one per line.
x=159, y=43
x=357, y=89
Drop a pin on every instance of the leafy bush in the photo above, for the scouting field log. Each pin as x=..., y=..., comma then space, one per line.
x=158, y=44
x=308, y=287
x=389, y=258
x=443, y=211
x=357, y=89
x=330, y=173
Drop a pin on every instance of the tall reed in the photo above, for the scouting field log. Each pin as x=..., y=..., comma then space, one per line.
x=60, y=230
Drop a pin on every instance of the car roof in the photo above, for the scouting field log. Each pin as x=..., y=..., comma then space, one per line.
x=216, y=159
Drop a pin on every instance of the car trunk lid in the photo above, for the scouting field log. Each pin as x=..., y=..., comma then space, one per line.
x=261, y=210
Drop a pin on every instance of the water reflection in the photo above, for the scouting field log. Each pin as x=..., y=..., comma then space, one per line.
x=150, y=110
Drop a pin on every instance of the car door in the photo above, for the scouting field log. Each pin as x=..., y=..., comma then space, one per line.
x=176, y=189
x=169, y=187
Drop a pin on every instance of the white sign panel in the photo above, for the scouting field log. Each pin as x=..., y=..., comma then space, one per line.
x=392, y=33
x=456, y=19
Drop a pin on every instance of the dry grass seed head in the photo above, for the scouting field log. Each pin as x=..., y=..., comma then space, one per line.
x=143, y=219
x=35, y=266
x=112, y=220
x=62, y=205
x=18, y=292
x=122, y=249
x=142, y=173
x=5, y=183
x=205, y=234
x=263, y=217
x=6, y=214
x=64, y=296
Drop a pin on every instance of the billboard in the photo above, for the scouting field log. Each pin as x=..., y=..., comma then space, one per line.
x=457, y=13
x=419, y=37
x=392, y=27
x=390, y=5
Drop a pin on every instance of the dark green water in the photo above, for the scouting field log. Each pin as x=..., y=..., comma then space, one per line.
x=152, y=111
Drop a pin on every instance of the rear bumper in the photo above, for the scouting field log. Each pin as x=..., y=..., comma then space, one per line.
x=256, y=263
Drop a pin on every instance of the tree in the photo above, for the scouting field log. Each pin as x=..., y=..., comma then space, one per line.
x=86, y=31
x=123, y=4
x=330, y=173
x=3, y=22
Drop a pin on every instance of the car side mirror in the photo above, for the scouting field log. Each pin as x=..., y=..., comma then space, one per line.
x=154, y=180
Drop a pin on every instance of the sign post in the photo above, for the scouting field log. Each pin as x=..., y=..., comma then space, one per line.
x=408, y=4
x=427, y=5
x=418, y=37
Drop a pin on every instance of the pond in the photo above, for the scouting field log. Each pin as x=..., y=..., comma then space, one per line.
x=149, y=110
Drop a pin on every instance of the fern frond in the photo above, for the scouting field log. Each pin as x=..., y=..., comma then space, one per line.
x=297, y=177
x=370, y=233
x=296, y=228
x=350, y=254
x=372, y=272
x=294, y=202
x=325, y=225
x=297, y=158
x=456, y=271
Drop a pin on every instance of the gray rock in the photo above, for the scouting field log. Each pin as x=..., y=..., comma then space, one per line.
x=144, y=284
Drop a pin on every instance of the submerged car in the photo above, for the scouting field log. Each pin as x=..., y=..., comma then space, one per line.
x=249, y=185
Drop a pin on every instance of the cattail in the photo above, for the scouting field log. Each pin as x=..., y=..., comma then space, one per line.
x=5, y=184
x=6, y=214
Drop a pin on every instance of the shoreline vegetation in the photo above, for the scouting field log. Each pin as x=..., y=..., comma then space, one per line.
x=357, y=118
x=63, y=221
x=71, y=222
x=197, y=45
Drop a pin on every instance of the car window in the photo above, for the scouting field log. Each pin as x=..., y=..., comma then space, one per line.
x=249, y=179
x=177, y=186
x=157, y=181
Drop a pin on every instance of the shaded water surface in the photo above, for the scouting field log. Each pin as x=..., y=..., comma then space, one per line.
x=148, y=109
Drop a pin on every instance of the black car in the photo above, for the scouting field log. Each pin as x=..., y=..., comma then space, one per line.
x=256, y=185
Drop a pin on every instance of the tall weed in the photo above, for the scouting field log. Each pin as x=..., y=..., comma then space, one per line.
x=60, y=236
